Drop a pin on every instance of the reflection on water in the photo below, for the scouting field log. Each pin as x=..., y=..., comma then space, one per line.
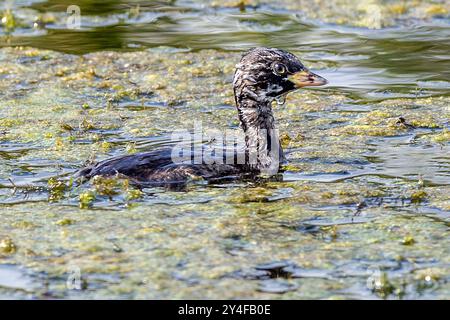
x=392, y=62
x=398, y=157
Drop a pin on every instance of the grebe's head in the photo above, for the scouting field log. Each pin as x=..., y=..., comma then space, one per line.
x=266, y=73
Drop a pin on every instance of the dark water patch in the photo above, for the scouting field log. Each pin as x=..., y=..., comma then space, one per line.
x=382, y=279
x=275, y=268
x=270, y=270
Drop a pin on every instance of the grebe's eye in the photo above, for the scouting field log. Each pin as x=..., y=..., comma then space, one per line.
x=279, y=69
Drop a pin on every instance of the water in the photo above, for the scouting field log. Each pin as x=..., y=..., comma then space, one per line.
x=13, y=278
x=364, y=196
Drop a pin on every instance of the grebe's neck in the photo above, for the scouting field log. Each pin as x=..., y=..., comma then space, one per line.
x=262, y=143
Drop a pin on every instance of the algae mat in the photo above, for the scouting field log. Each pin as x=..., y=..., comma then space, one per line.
x=362, y=210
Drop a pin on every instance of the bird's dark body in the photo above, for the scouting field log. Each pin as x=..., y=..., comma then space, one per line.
x=262, y=75
x=157, y=167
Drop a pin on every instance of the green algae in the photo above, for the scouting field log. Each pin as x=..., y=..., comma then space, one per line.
x=7, y=246
x=86, y=199
x=352, y=200
x=65, y=222
x=418, y=196
x=373, y=14
x=408, y=241
x=8, y=20
x=442, y=137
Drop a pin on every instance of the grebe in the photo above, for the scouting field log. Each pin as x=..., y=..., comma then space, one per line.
x=261, y=76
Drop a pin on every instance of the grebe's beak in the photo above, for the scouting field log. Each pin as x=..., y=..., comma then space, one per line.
x=306, y=78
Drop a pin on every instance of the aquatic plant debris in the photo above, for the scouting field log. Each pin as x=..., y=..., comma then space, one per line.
x=362, y=209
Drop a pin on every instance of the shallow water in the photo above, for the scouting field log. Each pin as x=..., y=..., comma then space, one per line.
x=362, y=210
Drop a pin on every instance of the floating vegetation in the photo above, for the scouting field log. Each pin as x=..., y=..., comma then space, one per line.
x=442, y=137
x=65, y=222
x=418, y=196
x=8, y=20
x=382, y=285
x=437, y=10
x=7, y=246
x=57, y=189
x=365, y=187
x=408, y=241
x=106, y=186
x=86, y=199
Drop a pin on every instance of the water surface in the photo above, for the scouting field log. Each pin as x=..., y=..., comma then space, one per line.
x=362, y=210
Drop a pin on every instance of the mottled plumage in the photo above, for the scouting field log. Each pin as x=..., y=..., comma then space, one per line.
x=262, y=75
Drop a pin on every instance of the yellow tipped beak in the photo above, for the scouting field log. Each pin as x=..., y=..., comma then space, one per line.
x=306, y=78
